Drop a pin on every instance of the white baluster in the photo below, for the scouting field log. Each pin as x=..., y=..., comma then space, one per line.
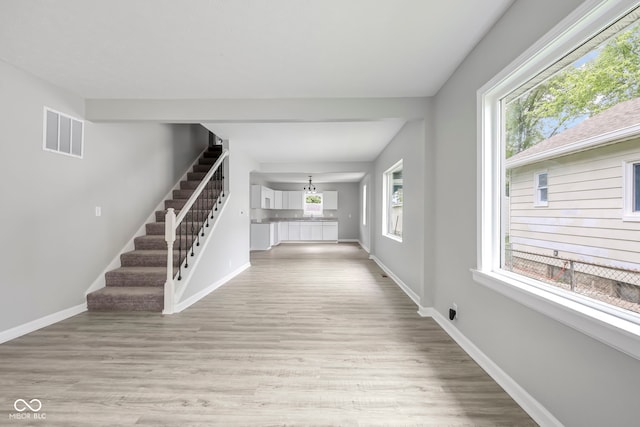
x=169, y=237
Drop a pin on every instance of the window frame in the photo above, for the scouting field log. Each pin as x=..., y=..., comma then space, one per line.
x=387, y=184
x=537, y=199
x=631, y=191
x=610, y=326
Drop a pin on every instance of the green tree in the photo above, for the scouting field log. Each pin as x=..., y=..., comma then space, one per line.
x=576, y=93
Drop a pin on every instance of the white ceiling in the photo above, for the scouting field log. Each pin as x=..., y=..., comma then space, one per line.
x=318, y=142
x=160, y=49
x=250, y=49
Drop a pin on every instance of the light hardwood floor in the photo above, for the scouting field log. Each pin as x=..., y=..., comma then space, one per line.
x=309, y=335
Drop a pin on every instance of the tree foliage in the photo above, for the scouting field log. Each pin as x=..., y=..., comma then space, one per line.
x=576, y=93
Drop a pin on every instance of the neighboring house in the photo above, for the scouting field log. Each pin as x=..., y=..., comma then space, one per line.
x=575, y=202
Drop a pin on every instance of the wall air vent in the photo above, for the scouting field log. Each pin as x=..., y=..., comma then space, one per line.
x=62, y=133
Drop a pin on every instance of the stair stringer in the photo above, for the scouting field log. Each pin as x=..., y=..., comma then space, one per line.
x=100, y=281
x=182, y=285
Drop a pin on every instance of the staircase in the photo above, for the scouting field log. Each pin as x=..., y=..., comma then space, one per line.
x=138, y=285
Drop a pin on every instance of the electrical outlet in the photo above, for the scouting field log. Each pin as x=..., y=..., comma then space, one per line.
x=98, y=211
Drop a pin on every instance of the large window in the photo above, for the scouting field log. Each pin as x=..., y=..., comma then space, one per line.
x=553, y=131
x=393, y=202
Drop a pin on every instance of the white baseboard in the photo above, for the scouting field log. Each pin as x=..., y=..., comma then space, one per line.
x=203, y=293
x=366, y=248
x=528, y=403
x=40, y=323
x=407, y=290
x=348, y=241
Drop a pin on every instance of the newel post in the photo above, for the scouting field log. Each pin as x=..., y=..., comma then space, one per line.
x=170, y=237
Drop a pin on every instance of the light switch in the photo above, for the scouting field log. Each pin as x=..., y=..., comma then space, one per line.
x=98, y=211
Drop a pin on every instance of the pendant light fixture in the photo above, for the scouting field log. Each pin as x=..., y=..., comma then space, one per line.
x=310, y=188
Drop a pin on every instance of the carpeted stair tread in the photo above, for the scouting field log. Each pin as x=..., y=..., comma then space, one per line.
x=126, y=299
x=136, y=276
x=158, y=242
x=147, y=258
x=160, y=215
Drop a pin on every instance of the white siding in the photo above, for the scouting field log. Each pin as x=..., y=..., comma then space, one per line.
x=584, y=216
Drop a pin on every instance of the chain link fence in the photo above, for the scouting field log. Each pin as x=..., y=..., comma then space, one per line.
x=612, y=285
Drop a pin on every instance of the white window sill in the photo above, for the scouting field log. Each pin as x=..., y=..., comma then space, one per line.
x=618, y=333
x=393, y=237
x=631, y=218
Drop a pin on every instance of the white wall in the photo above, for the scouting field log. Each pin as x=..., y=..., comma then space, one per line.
x=53, y=245
x=582, y=382
x=405, y=259
x=228, y=249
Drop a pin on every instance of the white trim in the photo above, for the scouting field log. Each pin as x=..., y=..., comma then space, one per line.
x=407, y=290
x=363, y=246
x=615, y=331
x=348, y=241
x=42, y=322
x=203, y=293
x=529, y=404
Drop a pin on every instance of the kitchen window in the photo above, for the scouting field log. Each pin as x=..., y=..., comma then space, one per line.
x=312, y=204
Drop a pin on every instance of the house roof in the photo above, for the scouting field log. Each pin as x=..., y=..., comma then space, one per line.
x=601, y=129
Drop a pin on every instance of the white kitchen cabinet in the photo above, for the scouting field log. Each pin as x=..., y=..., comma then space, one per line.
x=268, y=198
x=283, y=231
x=277, y=197
x=294, y=230
x=256, y=196
x=305, y=231
x=260, y=236
x=273, y=236
x=330, y=200
x=295, y=199
x=262, y=197
x=330, y=230
x=285, y=199
x=316, y=231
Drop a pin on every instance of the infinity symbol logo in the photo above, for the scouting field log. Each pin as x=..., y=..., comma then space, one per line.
x=21, y=405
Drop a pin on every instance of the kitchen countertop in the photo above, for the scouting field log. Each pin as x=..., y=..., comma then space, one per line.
x=270, y=220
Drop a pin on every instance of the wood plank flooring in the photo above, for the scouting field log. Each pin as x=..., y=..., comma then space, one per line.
x=309, y=335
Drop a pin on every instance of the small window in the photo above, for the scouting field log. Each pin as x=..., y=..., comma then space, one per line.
x=364, y=204
x=393, y=202
x=632, y=191
x=313, y=204
x=636, y=187
x=62, y=133
x=542, y=190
